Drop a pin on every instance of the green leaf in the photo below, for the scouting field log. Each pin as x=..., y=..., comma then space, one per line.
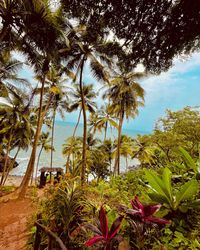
x=187, y=191
x=167, y=174
x=157, y=184
x=188, y=159
x=158, y=198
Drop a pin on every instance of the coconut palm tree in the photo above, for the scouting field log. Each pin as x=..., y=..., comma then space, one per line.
x=76, y=103
x=101, y=120
x=41, y=27
x=72, y=149
x=9, y=68
x=125, y=96
x=89, y=46
x=57, y=99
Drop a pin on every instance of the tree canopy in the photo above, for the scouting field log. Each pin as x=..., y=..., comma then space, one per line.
x=151, y=32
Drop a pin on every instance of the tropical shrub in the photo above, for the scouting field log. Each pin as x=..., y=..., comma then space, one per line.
x=62, y=212
x=141, y=220
x=104, y=238
x=163, y=192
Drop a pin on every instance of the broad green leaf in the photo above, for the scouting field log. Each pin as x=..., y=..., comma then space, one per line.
x=158, y=198
x=187, y=191
x=188, y=159
x=157, y=184
x=167, y=181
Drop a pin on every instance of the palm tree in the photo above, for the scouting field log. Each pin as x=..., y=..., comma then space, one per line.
x=144, y=150
x=72, y=149
x=76, y=103
x=101, y=120
x=9, y=68
x=41, y=27
x=125, y=95
x=58, y=99
x=89, y=46
x=126, y=148
x=15, y=121
x=108, y=147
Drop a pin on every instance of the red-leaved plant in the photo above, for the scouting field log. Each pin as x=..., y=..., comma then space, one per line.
x=103, y=236
x=145, y=212
x=141, y=219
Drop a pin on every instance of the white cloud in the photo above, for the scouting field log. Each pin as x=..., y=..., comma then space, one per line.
x=167, y=84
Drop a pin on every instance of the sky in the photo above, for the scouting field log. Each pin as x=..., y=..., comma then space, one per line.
x=175, y=89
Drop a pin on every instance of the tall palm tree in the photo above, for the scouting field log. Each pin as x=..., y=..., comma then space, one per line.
x=89, y=46
x=40, y=27
x=76, y=104
x=101, y=120
x=58, y=99
x=126, y=96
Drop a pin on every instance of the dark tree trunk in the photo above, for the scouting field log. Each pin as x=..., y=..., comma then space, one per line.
x=52, y=139
x=117, y=158
x=83, y=169
x=106, y=128
x=24, y=185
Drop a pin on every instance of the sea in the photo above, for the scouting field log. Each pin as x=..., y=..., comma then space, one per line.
x=63, y=130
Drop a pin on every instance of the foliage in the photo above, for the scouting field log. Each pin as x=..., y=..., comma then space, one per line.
x=63, y=211
x=163, y=192
x=175, y=27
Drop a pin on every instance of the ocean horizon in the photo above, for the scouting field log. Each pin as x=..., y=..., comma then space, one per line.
x=64, y=130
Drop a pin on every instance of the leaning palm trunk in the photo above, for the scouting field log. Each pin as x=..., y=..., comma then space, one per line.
x=24, y=185
x=117, y=158
x=6, y=159
x=70, y=150
x=83, y=169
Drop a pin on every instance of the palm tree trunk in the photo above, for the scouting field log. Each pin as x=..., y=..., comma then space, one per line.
x=52, y=136
x=6, y=159
x=68, y=158
x=38, y=163
x=24, y=185
x=84, y=125
x=117, y=158
x=106, y=127
x=11, y=166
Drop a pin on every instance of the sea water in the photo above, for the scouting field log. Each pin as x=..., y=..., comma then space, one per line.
x=64, y=130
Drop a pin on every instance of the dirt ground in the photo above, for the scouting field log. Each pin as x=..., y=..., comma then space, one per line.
x=14, y=215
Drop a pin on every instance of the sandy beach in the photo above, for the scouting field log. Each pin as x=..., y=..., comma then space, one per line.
x=14, y=180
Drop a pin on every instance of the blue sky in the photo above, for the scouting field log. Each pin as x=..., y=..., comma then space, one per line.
x=174, y=89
